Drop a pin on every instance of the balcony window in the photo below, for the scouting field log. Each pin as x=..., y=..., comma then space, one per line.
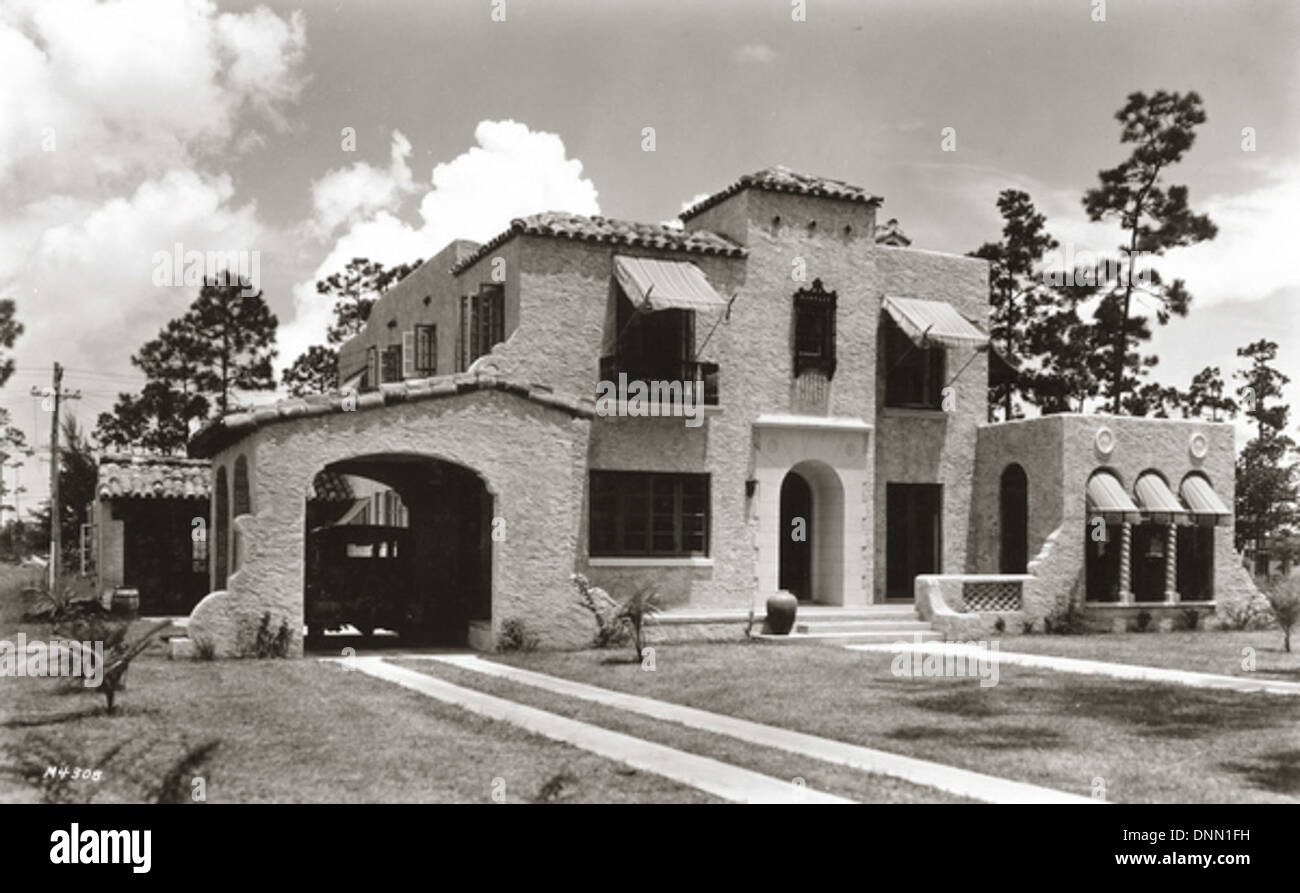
x=914, y=376
x=426, y=350
x=483, y=322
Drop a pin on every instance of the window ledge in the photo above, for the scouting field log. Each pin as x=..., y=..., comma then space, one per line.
x=649, y=562
x=904, y=412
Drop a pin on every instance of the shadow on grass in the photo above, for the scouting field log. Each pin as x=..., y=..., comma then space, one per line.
x=996, y=737
x=1278, y=772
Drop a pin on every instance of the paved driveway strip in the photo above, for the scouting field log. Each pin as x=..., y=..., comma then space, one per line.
x=963, y=782
x=711, y=776
x=1092, y=667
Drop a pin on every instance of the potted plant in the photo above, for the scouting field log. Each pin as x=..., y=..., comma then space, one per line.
x=781, y=609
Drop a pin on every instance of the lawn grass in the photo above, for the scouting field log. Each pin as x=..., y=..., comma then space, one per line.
x=1145, y=742
x=827, y=777
x=287, y=732
x=1209, y=651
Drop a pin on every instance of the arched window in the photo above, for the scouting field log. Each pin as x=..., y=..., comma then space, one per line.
x=1013, y=508
x=242, y=506
x=222, y=511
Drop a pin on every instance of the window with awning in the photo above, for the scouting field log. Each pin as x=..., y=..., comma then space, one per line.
x=652, y=284
x=1157, y=502
x=934, y=324
x=650, y=323
x=1108, y=501
x=1203, y=504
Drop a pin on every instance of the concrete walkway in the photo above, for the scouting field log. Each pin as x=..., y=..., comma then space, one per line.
x=962, y=782
x=711, y=776
x=1091, y=667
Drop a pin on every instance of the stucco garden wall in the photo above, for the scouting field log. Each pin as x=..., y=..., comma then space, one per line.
x=530, y=457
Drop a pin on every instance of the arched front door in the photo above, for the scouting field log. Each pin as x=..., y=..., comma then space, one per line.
x=796, y=536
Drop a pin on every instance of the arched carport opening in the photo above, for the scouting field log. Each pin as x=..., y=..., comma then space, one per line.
x=811, y=526
x=397, y=545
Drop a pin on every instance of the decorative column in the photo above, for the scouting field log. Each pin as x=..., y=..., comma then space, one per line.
x=1126, y=564
x=1171, y=563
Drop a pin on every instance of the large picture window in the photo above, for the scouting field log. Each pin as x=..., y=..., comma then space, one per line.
x=914, y=376
x=643, y=514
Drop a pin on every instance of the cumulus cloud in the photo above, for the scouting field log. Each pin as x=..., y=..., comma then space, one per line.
x=511, y=171
x=350, y=193
x=131, y=87
x=118, y=117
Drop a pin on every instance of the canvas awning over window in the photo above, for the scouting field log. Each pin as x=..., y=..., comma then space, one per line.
x=665, y=284
x=1203, y=504
x=934, y=323
x=1107, y=500
x=1158, y=502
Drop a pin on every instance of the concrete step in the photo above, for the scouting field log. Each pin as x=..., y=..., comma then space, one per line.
x=854, y=638
x=861, y=626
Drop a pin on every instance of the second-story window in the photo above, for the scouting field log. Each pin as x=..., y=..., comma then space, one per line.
x=484, y=322
x=914, y=376
x=426, y=350
x=814, y=330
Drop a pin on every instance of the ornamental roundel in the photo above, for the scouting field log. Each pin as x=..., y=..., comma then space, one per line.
x=1198, y=445
x=1104, y=441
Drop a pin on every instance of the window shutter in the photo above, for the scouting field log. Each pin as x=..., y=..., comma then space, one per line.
x=408, y=355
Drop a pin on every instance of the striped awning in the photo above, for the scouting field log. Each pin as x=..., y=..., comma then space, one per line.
x=665, y=284
x=1157, y=502
x=930, y=323
x=1107, y=499
x=1203, y=503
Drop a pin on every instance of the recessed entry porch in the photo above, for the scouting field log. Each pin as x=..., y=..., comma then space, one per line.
x=811, y=516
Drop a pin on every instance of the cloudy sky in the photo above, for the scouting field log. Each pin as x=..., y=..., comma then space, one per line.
x=131, y=125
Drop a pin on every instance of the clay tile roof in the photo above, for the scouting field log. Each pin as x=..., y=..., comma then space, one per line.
x=781, y=179
x=152, y=477
x=330, y=486
x=220, y=433
x=891, y=234
x=607, y=230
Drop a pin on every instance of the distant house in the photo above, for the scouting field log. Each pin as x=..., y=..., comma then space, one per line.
x=150, y=526
x=779, y=394
x=150, y=521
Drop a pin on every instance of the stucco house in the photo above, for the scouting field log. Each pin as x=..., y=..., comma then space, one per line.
x=778, y=394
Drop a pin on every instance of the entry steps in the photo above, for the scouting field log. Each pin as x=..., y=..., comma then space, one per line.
x=826, y=625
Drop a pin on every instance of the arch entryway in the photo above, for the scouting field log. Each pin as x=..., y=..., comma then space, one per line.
x=810, y=554
x=399, y=545
x=1013, y=517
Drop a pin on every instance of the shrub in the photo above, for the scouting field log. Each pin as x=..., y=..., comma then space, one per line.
x=1142, y=622
x=1253, y=613
x=1066, y=620
x=1000, y=625
x=1284, y=603
x=515, y=636
x=639, y=606
x=610, y=629
x=1027, y=627
x=269, y=644
x=1191, y=619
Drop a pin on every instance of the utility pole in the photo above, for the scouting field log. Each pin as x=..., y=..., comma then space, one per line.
x=56, y=516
